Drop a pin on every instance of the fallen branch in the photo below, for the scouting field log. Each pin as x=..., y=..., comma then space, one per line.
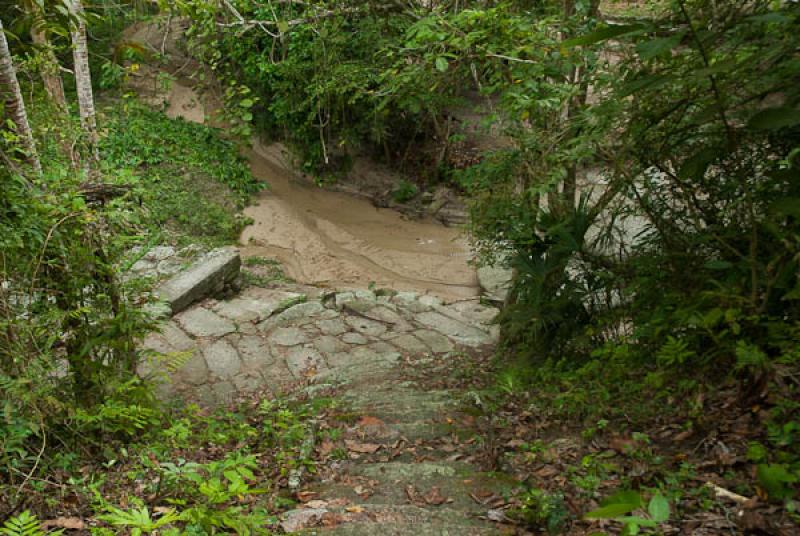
x=723, y=493
x=101, y=192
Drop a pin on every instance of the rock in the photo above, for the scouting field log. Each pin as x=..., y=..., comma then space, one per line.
x=430, y=301
x=495, y=282
x=201, y=322
x=296, y=520
x=247, y=383
x=301, y=360
x=354, y=338
x=357, y=300
x=335, y=326
x=142, y=266
x=303, y=312
x=366, y=326
x=455, y=330
x=288, y=337
x=160, y=253
x=244, y=309
x=410, y=343
x=208, y=276
x=222, y=359
x=194, y=371
x=329, y=345
x=473, y=311
x=224, y=392
x=410, y=302
x=437, y=342
x=383, y=313
x=255, y=351
x=170, y=339
x=169, y=267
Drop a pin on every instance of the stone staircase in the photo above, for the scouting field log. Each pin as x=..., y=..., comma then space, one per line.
x=407, y=480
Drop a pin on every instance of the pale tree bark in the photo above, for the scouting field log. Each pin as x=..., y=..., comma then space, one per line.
x=49, y=69
x=14, y=104
x=83, y=81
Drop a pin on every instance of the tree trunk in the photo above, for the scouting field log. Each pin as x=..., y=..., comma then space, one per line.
x=49, y=69
x=15, y=106
x=83, y=81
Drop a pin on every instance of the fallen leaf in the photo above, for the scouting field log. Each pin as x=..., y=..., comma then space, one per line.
x=326, y=447
x=435, y=498
x=354, y=509
x=73, y=523
x=317, y=504
x=361, y=448
x=546, y=472
x=330, y=519
x=296, y=520
x=496, y=515
x=368, y=420
x=305, y=496
x=362, y=492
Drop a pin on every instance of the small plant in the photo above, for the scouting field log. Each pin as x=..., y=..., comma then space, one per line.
x=404, y=192
x=618, y=506
x=25, y=524
x=542, y=510
x=138, y=520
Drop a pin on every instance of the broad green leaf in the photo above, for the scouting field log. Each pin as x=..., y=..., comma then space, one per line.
x=658, y=47
x=775, y=118
x=602, y=34
x=611, y=511
x=775, y=479
x=442, y=63
x=718, y=264
x=283, y=27
x=658, y=508
x=636, y=520
x=788, y=206
x=696, y=165
x=623, y=497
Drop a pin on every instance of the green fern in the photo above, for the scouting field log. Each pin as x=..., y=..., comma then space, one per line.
x=138, y=520
x=25, y=524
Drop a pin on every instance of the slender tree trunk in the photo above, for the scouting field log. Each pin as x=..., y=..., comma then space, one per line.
x=15, y=106
x=49, y=69
x=83, y=81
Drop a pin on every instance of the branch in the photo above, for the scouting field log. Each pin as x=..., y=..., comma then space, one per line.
x=250, y=23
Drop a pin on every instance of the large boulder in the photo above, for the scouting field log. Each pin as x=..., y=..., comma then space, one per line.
x=211, y=275
x=495, y=282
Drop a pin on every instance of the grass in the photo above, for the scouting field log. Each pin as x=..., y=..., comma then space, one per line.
x=189, y=182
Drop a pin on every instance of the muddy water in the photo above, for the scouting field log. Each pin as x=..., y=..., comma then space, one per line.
x=332, y=239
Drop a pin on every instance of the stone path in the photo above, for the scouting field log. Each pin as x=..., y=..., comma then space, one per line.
x=217, y=350
x=406, y=470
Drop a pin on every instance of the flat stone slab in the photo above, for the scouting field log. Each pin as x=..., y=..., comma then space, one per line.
x=207, y=276
x=222, y=359
x=495, y=281
x=288, y=336
x=457, y=331
x=201, y=322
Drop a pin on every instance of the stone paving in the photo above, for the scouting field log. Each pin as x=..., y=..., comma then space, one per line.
x=216, y=350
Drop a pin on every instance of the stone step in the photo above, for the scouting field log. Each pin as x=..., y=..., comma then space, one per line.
x=405, y=520
x=399, y=483
x=395, y=403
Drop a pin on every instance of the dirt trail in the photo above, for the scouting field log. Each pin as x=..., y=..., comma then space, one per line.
x=336, y=240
